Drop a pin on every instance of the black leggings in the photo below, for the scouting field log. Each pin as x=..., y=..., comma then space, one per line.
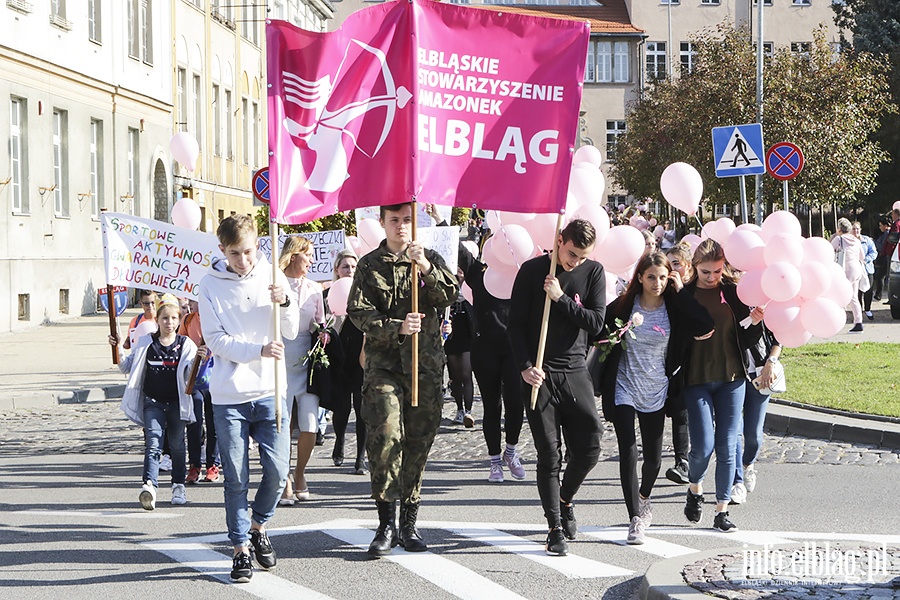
x=565, y=403
x=459, y=367
x=651, y=443
x=341, y=417
x=681, y=441
x=500, y=384
x=865, y=298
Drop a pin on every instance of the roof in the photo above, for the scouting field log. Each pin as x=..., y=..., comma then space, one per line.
x=610, y=18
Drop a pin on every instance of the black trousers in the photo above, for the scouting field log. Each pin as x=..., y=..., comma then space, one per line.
x=880, y=284
x=501, y=388
x=565, y=406
x=681, y=439
x=651, y=425
x=340, y=419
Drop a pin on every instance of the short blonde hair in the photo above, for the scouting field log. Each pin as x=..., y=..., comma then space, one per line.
x=235, y=229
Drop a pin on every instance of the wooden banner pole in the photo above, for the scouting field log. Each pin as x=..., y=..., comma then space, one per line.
x=113, y=327
x=276, y=324
x=414, y=297
x=545, y=319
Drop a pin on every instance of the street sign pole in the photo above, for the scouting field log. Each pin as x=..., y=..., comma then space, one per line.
x=784, y=193
x=743, y=187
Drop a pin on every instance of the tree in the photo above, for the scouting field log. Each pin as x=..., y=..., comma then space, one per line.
x=825, y=103
x=875, y=25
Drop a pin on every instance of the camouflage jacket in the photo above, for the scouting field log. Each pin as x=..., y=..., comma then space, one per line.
x=380, y=299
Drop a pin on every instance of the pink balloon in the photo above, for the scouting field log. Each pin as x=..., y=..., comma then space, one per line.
x=588, y=154
x=818, y=249
x=782, y=246
x=658, y=230
x=780, y=315
x=185, y=149
x=840, y=291
x=512, y=245
x=794, y=336
x=719, y=230
x=354, y=244
x=748, y=227
x=781, y=281
x=471, y=246
x=653, y=222
x=611, y=289
x=543, y=230
x=587, y=186
x=622, y=247
x=780, y=221
x=682, y=187
x=815, y=278
x=749, y=289
x=370, y=233
x=144, y=328
x=489, y=255
x=338, y=294
x=597, y=217
x=896, y=205
x=499, y=284
x=822, y=317
x=466, y=292
x=186, y=213
x=512, y=218
x=744, y=250
x=693, y=240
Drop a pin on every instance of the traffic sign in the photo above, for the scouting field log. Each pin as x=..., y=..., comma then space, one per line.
x=784, y=161
x=738, y=150
x=120, y=298
x=261, y=185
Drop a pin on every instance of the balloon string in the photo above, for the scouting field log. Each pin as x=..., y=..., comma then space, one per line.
x=506, y=239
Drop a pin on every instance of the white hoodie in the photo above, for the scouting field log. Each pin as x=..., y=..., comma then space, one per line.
x=236, y=319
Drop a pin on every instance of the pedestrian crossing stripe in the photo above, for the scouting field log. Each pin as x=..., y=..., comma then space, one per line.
x=460, y=581
x=739, y=154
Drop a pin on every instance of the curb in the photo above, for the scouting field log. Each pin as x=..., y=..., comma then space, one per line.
x=832, y=426
x=663, y=579
x=46, y=399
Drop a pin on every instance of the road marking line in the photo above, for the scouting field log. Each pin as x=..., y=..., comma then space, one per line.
x=651, y=545
x=103, y=514
x=758, y=538
x=446, y=574
x=218, y=566
x=572, y=566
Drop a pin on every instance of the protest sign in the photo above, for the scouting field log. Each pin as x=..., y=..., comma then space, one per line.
x=326, y=245
x=147, y=254
x=444, y=241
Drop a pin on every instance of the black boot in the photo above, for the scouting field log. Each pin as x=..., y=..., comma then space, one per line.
x=409, y=535
x=386, y=534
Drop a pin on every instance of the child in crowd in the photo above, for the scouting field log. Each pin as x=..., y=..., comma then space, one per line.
x=236, y=310
x=148, y=303
x=154, y=397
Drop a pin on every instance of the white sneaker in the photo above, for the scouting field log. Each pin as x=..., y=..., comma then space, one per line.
x=738, y=494
x=496, y=475
x=165, y=463
x=178, y=494
x=468, y=420
x=645, y=511
x=148, y=496
x=460, y=416
x=750, y=478
x=635, y=532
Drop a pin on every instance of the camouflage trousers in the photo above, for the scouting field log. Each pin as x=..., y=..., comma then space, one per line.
x=400, y=435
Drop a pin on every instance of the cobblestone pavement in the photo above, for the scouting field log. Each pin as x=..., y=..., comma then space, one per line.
x=100, y=427
x=832, y=572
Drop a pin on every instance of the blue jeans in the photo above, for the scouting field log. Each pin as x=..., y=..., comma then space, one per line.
x=755, y=405
x=163, y=418
x=235, y=425
x=714, y=416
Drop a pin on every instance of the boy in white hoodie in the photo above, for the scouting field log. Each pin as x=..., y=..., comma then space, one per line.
x=236, y=305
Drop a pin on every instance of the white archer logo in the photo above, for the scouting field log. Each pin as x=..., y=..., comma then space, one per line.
x=325, y=134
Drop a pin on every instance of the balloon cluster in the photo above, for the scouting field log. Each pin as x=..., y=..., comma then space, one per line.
x=520, y=236
x=803, y=290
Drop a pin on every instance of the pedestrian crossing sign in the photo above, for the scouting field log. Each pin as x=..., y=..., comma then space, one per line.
x=738, y=150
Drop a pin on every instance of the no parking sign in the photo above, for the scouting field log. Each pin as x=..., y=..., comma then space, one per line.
x=784, y=161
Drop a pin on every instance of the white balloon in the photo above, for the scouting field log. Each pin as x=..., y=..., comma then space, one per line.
x=588, y=154
x=682, y=187
x=145, y=327
x=186, y=213
x=185, y=149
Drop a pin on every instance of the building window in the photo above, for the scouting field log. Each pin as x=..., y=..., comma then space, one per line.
x=16, y=155
x=94, y=22
x=249, y=26
x=24, y=307
x=217, y=120
x=765, y=2
x=713, y=2
x=802, y=3
x=245, y=130
x=140, y=30
x=607, y=62
x=96, y=151
x=669, y=2
x=63, y=301
x=134, y=175
x=254, y=134
x=181, y=96
x=613, y=130
x=197, y=98
x=801, y=48
x=278, y=11
x=60, y=168
x=836, y=50
x=467, y=2
x=229, y=125
x=687, y=57
x=656, y=60
x=614, y=200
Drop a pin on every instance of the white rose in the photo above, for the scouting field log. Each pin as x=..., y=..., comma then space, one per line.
x=637, y=319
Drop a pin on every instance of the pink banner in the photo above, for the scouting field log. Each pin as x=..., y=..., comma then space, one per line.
x=397, y=104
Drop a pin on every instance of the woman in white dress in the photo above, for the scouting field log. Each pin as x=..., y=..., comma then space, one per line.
x=854, y=259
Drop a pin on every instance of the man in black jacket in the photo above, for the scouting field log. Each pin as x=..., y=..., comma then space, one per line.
x=565, y=401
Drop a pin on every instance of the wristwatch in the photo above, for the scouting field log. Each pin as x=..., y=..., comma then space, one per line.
x=286, y=303
x=773, y=360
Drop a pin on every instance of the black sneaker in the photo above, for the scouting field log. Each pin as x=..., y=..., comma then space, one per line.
x=262, y=549
x=693, y=507
x=723, y=523
x=857, y=328
x=241, y=569
x=320, y=438
x=678, y=474
x=556, y=543
x=567, y=517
